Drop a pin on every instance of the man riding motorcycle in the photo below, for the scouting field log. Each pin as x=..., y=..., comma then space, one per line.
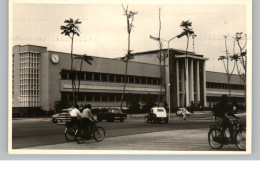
x=223, y=110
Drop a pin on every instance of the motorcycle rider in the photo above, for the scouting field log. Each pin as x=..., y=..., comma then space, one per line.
x=75, y=114
x=223, y=110
x=88, y=117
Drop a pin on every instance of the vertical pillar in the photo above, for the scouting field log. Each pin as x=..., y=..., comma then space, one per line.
x=187, y=84
x=204, y=84
x=198, y=81
x=182, y=84
x=177, y=83
x=191, y=81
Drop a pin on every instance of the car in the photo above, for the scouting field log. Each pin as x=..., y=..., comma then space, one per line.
x=59, y=116
x=156, y=115
x=180, y=112
x=112, y=115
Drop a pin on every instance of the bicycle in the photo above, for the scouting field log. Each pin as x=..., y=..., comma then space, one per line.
x=83, y=133
x=217, y=136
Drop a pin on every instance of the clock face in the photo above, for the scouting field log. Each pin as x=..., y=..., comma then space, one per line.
x=55, y=58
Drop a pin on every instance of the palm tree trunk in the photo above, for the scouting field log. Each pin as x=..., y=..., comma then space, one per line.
x=126, y=64
x=185, y=68
x=72, y=72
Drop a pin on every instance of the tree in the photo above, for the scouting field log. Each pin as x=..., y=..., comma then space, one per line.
x=129, y=56
x=88, y=60
x=227, y=61
x=161, y=57
x=71, y=29
x=240, y=58
x=188, y=31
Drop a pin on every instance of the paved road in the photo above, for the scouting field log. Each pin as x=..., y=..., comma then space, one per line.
x=41, y=132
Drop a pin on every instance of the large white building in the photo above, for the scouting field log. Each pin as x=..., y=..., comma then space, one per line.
x=41, y=77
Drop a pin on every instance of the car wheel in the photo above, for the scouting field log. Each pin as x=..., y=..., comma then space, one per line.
x=166, y=121
x=121, y=120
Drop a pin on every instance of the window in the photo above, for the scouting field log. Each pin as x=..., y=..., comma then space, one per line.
x=137, y=80
x=89, y=97
x=149, y=80
x=118, y=78
x=104, y=77
x=131, y=79
x=96, y=77
x=81, y=76
x=111, y=97
x=104, y=98
x=111, y=78
x=118, y=97
x=143, y=80
x=89, y=76
x=96, y=98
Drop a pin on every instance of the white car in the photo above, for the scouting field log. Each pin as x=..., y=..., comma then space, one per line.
x=180, y=112
x=156, y=115
x=63, y=112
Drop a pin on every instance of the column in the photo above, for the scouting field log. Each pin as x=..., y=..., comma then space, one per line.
x=177, y=83
x=191, y=82
x=204, y=84
x=187, y=92
x=198, y=81
x=182, y=84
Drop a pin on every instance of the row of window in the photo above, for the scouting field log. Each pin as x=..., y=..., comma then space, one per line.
x=224, y=86
x=105, y=77
x=105, y=97
x=212, y=99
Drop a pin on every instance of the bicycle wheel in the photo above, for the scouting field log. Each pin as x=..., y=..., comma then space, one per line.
x=240, y=138
x=70, y=134
x=80, y=136
x=214, y=138
x=99, y=133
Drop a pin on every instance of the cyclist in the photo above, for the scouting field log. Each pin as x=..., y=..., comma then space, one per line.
x=223, y=110
x=89, y=120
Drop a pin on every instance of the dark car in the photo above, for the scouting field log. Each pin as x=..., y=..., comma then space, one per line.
x=112, y=115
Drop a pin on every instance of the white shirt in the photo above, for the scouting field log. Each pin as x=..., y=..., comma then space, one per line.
x=75, y=113
x=87, y=113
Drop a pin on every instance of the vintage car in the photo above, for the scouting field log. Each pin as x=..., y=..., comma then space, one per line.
x=156, y=115
x=180, y=112
x=62, y=117
x=112, y=115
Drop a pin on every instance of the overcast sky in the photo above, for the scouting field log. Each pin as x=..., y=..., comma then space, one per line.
x=103, y=29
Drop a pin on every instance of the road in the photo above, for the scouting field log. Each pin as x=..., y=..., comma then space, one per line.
x=41, y=132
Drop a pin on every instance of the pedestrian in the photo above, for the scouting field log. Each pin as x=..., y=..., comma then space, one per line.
x=184, y=114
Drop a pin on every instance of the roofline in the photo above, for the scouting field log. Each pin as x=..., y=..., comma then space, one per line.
x=31, y=45
x=222, y=72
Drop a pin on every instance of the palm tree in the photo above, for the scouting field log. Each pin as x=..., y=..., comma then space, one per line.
x=186, y=26
x=71, y=29
x=88, y=60
x=129, y=18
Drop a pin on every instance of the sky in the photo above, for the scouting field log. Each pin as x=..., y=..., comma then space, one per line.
x=103, y=29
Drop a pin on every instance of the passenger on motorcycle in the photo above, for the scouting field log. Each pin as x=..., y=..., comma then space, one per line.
x=88, y=118
x=223, y=110
x=75, y=114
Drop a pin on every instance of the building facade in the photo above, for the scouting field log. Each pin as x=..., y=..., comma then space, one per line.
x=41, y=77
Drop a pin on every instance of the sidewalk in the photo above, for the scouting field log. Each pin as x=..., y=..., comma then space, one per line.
x=174, y=140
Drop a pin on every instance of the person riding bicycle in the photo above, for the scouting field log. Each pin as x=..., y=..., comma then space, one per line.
x=75, y=114
x=223, y=110
x=89, y=120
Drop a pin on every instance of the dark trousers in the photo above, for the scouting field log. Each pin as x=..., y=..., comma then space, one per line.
x=227, y=124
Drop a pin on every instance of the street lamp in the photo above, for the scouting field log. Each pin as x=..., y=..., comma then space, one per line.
x=158, y=39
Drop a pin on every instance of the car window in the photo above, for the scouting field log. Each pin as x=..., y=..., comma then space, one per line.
x=160, y=110
x=116, y=110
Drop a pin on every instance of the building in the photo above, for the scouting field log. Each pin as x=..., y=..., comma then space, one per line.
x=41, y=77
